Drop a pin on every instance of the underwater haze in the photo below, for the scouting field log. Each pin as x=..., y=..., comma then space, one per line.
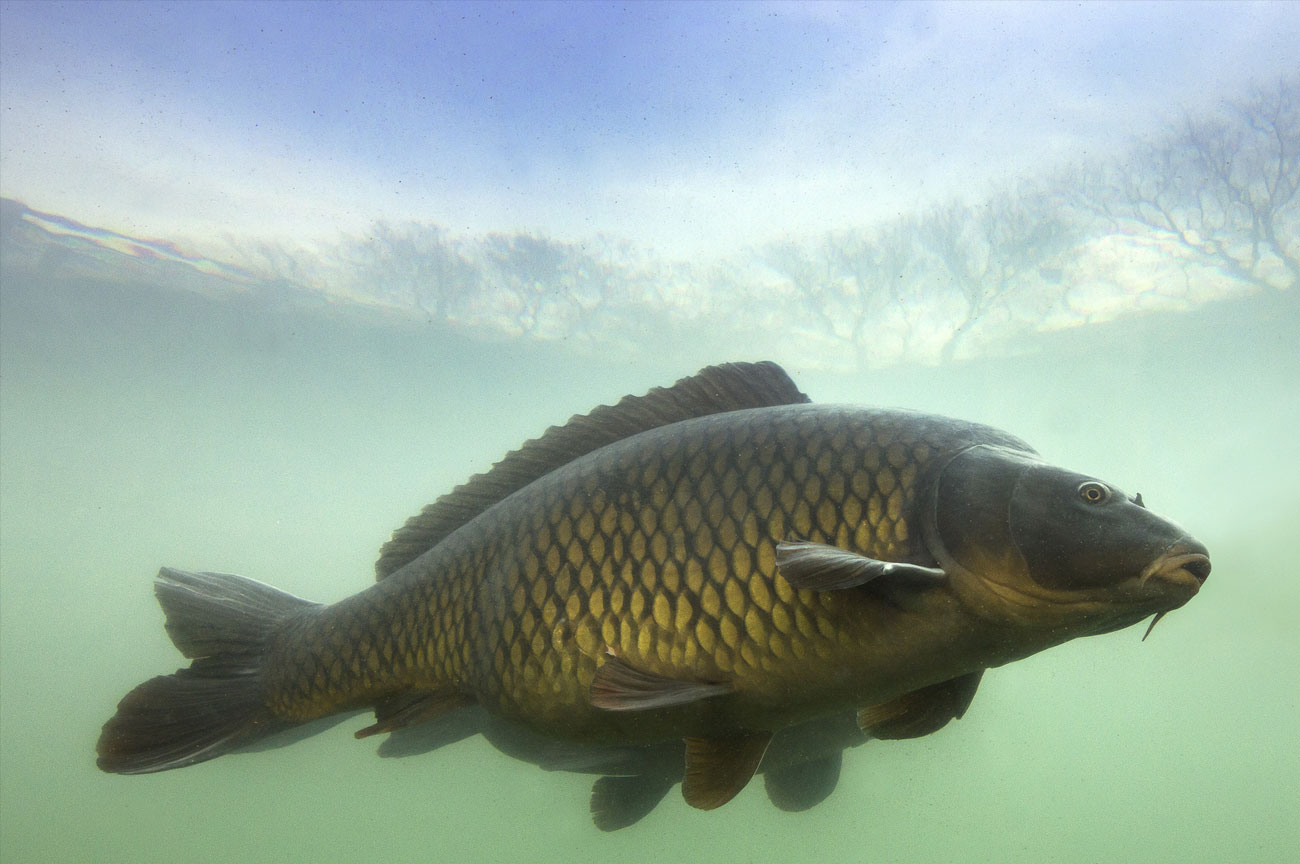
x=308, y=267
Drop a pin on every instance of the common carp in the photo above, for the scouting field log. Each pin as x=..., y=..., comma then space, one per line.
x=710, y=563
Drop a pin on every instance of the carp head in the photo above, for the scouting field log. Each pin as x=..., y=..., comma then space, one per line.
x=1035, y=545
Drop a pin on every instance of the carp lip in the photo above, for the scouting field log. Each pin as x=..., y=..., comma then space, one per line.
x=1181, y=565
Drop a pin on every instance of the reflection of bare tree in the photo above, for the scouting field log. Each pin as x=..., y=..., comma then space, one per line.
x=416, y=263
x=556, y=288
x=607, y=284
x=896, y=263
x=1223, y=189
x=1250, y=169
x=851, y=284
x=819, y=290
x=532, y=271
x=992, y=255
x=276, y=261
x=879, y=269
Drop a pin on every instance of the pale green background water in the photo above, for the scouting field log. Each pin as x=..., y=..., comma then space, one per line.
x=141, y=428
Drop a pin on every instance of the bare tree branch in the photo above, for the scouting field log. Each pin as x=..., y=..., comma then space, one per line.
x=414, y=264
x=1223, y=189
x=991, y=255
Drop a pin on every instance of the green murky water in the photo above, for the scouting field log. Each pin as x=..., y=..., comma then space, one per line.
x=142, y=427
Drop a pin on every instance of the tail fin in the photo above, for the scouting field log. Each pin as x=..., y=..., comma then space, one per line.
x=223, y=624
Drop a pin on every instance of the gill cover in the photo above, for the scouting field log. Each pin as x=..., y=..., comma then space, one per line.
x=971, y=505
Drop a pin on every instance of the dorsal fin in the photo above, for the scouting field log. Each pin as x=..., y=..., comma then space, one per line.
x=713, y=390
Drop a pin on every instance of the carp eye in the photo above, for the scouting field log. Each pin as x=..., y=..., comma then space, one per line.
x=1093, y=492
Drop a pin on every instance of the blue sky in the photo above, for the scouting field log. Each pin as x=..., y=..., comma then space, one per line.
x=688, y=128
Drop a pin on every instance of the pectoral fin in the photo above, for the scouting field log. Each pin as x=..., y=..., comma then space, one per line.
x=619, y=686
x=798, y=787
x=825, y=568
x=920, y=712
x=617, y=802
x=718, y=768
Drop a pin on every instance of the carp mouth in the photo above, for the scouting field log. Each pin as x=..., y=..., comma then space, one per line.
x=1185, y=564
x=1180, y=571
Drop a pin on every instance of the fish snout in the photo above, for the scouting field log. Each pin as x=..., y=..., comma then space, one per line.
x=1185, y=562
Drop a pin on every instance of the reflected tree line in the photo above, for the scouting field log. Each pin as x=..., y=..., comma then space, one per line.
x=1212, y=201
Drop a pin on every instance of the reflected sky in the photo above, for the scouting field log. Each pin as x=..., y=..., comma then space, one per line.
x=693, y=127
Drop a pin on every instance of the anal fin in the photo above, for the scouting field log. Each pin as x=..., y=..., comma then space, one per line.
x=803, y=785
x=617, y=802
x=805, y=564
x=920, y=712
x=426, y=736
x=411, y=707
x=718, y=768
x=619, y=686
